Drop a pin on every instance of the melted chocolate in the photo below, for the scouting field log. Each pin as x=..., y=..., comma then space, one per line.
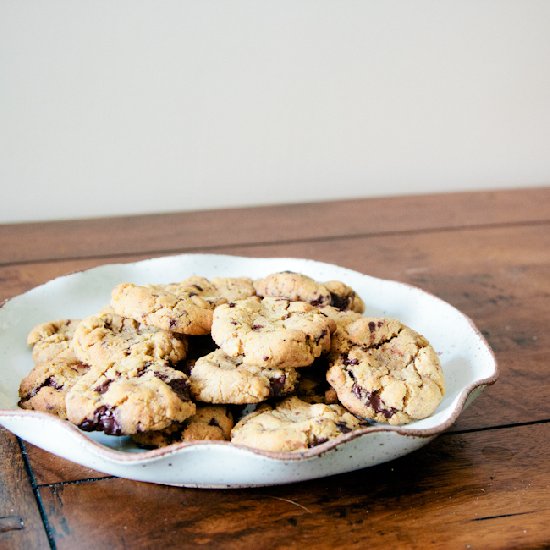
x=372, y=399
x=277, y=385
x=102, y=420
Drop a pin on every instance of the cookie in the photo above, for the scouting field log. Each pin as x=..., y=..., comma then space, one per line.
x=218, y=378
x=343, y=297
x=49, y=340
x=46, y=386
x=386, y=371
x=209, y=423
x=293, y=425
x=342, y=319
x=297, y=287
x=272, y=332
x=106, y=338
x=185, y=307
x=134, y=395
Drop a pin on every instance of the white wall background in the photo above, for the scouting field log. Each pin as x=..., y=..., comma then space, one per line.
x=129, y=106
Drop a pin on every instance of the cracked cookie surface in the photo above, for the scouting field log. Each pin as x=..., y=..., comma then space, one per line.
x=293, y=425
x=218, y=378
x=272, y=332
x=106, y=338
x=209, y=423
x=385, y=371
x=184, y=307
x=49, y=340
x=134, y=395
x=297, y=287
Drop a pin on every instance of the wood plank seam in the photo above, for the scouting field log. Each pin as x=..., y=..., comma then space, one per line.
x=75, y=481
x=498, y=427
x=327, y=238
x=37, y=496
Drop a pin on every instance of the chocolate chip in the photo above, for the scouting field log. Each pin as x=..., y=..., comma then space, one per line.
x=104, y=386
x=352, y=361
x=199, y=288
x=343, y=427
x=50, y=381
x=214, y=422
x=277, y=385
x=317, y=441
x=191, y=294
x=103, y=420
x=266, y=358
x=257, y=327
x=372, y=399
x=339, y=302
x=372, y=326
x=318, y=338
x=180, y=388
x=173, y=323
x=232, y=304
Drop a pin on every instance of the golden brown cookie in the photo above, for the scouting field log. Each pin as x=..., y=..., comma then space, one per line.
x=185, y=307
x=209, y=423
x=49, y=340
x=46, y=386
x=293, y=425
x=385, y=371
x=134, y=395
x=218, y=378
x=272, y=332
x=297, y=287
x=106, y=338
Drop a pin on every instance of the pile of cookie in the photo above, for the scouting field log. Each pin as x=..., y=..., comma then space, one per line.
x=282, y=363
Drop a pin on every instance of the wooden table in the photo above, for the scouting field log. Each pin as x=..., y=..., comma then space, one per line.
x=483, y=484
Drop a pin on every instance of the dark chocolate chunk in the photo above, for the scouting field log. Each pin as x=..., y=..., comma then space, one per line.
x=343, y=427
x=102, y=420
x=181, y=388
x=277, y=385
x=317, y=441
x=339, y=302
x=372, y=399
x=104, y=386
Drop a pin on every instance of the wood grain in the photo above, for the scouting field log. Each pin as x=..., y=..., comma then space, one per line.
x=215, y=228
x=476, y=486
x=49, y=468
x=461, y=491
x=20, y=522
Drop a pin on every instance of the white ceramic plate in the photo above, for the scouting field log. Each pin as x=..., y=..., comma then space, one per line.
x=467, y=361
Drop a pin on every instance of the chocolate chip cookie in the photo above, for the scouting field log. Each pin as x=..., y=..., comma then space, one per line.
x=218, y=378
x=184, y=307
x=134, y=395
x=385, y=371
x=106, y=338
x=272, y=332
x=209, y=423
x=297, y=287
x=46, y=386
x=49, y=340
x=293, y=425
